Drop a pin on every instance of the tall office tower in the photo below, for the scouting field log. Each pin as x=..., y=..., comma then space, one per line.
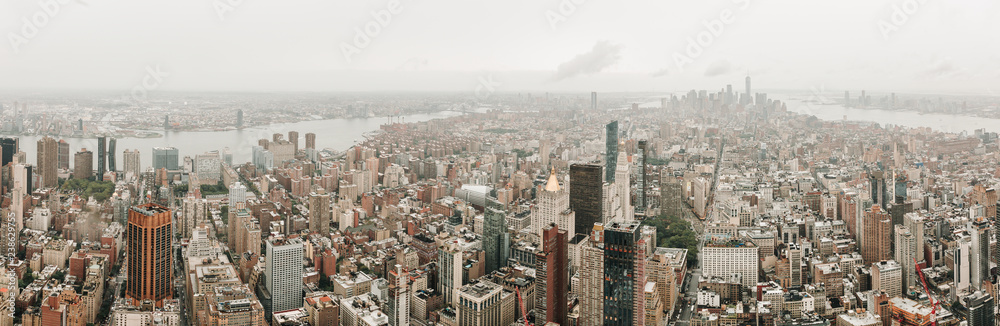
x=319, y=211
x=847, y=99
x=905, y=254
x=398, y=305
x=591, y=283
x=262, y=158
x=593, y=100
x=961, y=265
x=450, y=269
x=48, y=162
x=611, y=151
x=102, y=157
x=980, y=249
x=239, y=118
x=496, y=239
x=877, y=228
x=165, y=158
x=131, y=162
x=275, y=137
x=8, y=146
x=485, y=303
x=729, y=94
x=550, y=275
x=585, y=198
x=83, y=164
x=887, y=276
x=980, y=306
x=544, y=150
x=283, y=273
x=915, y=223
x=880, y=195
x=748, y=99
x=166, y=122
x=642, y=177
x=293, y=136
x=671, y=194
x=111, y=154
x=864, y=100
x=150, y=262
x=63, y=155
x=237, y=196
x=552, y=207
x=795, y=259
x=19, y=174
x=310, y=140
x=624, y=274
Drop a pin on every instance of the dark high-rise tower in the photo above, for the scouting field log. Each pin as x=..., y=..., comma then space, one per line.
x=620, y=261
x=293, y=136
x=311, y=140
x=642, y=178
x=880, y=195
x=239, y=118
x=102, y=157
x=166, y=122
x=980, y=308
x=611, y=151
x=551, y=273
x=111, y=154
x=149, y=260
x=8, y=147
x=496, y=240
x=48, y=161
x=585, y=195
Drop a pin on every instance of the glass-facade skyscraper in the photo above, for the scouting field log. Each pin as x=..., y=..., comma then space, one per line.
x=611, y=151
x=165, y=157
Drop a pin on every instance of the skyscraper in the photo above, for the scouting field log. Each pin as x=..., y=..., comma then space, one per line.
x=398, y=307
x=319, y=211
x=552, y=207
x=880, y=195
x=642, y=177
x=111, y=154
x=283, y=269
x=48, y=162
x=149, y=238
x=551, y=273
x=449, y=271
x=131, y=162
x=102, y=156
x=585, y=199
x=611, y=151
x=293, y=136
x=593, y=101
x=165, y=158
x=8, y=147
x=63, y=155
x=905, y=254
x=495, y=237
x=310, y=140
x=622, y=274
x=239, y=118
x=83, y=164
x=877, y=228
x=980, y=307
x=980, y=260
x=166, y=122
x=748, y=99
x=592, y=278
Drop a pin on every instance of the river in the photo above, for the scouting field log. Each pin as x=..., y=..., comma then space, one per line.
x=911, y=119
x=337, y=134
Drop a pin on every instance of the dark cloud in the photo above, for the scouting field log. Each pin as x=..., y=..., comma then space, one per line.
x=603, y=55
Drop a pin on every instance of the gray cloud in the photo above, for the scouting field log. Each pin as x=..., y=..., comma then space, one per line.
x=660, y=73
x=719, y=67
x=603, y=55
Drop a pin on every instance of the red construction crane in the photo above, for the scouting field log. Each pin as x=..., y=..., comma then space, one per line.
x=524, y=310
x=934, y=304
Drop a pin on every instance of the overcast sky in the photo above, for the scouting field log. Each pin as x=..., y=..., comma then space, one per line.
x=514, y=45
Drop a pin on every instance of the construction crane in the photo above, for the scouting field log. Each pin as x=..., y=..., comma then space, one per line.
x=524, y=311
x=934, y=304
